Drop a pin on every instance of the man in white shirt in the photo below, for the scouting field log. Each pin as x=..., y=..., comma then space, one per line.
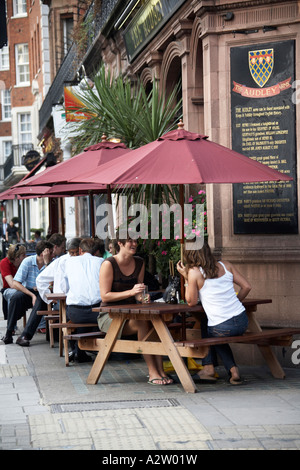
x=54, y=273
x=83, y=291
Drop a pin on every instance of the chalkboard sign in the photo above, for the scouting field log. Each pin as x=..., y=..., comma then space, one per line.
x=263, y=123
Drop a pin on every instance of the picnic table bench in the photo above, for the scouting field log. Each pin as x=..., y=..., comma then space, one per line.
x=160, y=341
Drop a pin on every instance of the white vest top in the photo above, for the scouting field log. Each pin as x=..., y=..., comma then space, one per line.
x=219, y=299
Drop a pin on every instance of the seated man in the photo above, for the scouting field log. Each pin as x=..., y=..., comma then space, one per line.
x=26, y=295
x=59, y=247
x=54, y=273
x=8, y=267
x=59, y=244
x=83, y=292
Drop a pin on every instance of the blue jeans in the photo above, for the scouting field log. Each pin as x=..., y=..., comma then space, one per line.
x=235, y=326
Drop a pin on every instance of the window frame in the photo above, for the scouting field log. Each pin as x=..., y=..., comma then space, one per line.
x=16, y=5
x=5, y=105
x=22, y=133
x=19, y=65
x=4, y=52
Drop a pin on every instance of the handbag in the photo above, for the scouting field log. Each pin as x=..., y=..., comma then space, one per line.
x=171, y=294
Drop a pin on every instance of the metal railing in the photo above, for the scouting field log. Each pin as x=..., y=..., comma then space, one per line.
x=14, y=159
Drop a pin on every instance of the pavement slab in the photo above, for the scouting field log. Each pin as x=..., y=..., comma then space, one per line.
x=45, y=405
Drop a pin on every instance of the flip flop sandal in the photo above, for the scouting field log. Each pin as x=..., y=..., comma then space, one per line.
x=152, y=382
x=204, y=380
x=239, y=381
x=168, y=379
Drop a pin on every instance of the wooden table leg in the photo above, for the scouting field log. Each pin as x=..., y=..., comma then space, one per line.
x=60, y=343
x=176, y=359
x=107, y=345
x=266, y=351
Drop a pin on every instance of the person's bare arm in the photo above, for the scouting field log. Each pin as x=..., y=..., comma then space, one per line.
x=193, y=283
x=239, y=280
x=106, y=281
x=18, y=286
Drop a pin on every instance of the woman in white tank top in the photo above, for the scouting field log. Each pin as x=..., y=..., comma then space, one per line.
x=213, y=283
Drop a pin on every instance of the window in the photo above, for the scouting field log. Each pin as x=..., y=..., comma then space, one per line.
x=19, y=7
x=7, y=148
x=22, y=65
x=67, y=26
x=4, y=58
x=6, y=105
x=25, y=136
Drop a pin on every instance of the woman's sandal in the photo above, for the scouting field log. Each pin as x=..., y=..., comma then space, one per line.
x=233, y=381
x=208, y=379
x=154, y=381
x=168, y=380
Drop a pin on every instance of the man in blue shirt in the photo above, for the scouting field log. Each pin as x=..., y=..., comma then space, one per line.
x=26, y=295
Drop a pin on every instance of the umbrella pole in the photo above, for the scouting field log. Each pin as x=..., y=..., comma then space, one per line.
x=181, y=202
x=91, y=198
x=110, y=213
x=63, y=231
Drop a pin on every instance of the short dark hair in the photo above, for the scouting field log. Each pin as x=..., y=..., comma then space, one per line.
x=87, y=245
x=56, y=239
x=98, y=245
x=41, y=245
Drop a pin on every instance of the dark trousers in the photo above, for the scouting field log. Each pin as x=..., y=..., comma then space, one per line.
x=82, y=314
x=235, y=326
x=18, y=305
x=4, y=304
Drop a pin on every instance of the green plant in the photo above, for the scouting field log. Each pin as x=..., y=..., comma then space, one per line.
x=121, y=109
x=168, y=249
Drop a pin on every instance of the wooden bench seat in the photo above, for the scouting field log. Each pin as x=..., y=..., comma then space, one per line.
x=71, y=325
x=67, y=328
x=276, y=336
x=51, y=316
x=92, y=334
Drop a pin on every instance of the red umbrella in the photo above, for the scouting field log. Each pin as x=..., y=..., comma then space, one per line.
x=91, y=158
x=57, y=190
x=181, y=157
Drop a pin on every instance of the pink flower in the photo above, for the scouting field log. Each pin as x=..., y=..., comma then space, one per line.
x=191, y=199
x=164, y=252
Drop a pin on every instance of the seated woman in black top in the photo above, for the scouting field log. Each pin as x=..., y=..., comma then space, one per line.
x=121, y=280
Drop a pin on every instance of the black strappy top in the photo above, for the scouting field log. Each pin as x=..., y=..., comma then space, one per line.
x=121, y=282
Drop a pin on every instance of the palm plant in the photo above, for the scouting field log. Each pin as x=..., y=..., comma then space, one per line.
x=122, y=109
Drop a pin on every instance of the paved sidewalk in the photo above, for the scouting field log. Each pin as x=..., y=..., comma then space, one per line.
x=47, y=406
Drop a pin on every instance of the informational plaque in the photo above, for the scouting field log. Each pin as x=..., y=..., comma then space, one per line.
x=263, y=123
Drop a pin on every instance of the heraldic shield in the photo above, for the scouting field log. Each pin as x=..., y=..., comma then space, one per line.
x=261, y=65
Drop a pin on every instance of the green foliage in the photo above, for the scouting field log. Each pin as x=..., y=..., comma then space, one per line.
x=120, y=108
x=165, y=249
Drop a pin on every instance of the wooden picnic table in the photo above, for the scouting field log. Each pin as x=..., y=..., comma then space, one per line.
x=159, y=314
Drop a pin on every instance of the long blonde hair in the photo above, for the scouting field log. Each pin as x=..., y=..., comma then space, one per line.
x=202, y=258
